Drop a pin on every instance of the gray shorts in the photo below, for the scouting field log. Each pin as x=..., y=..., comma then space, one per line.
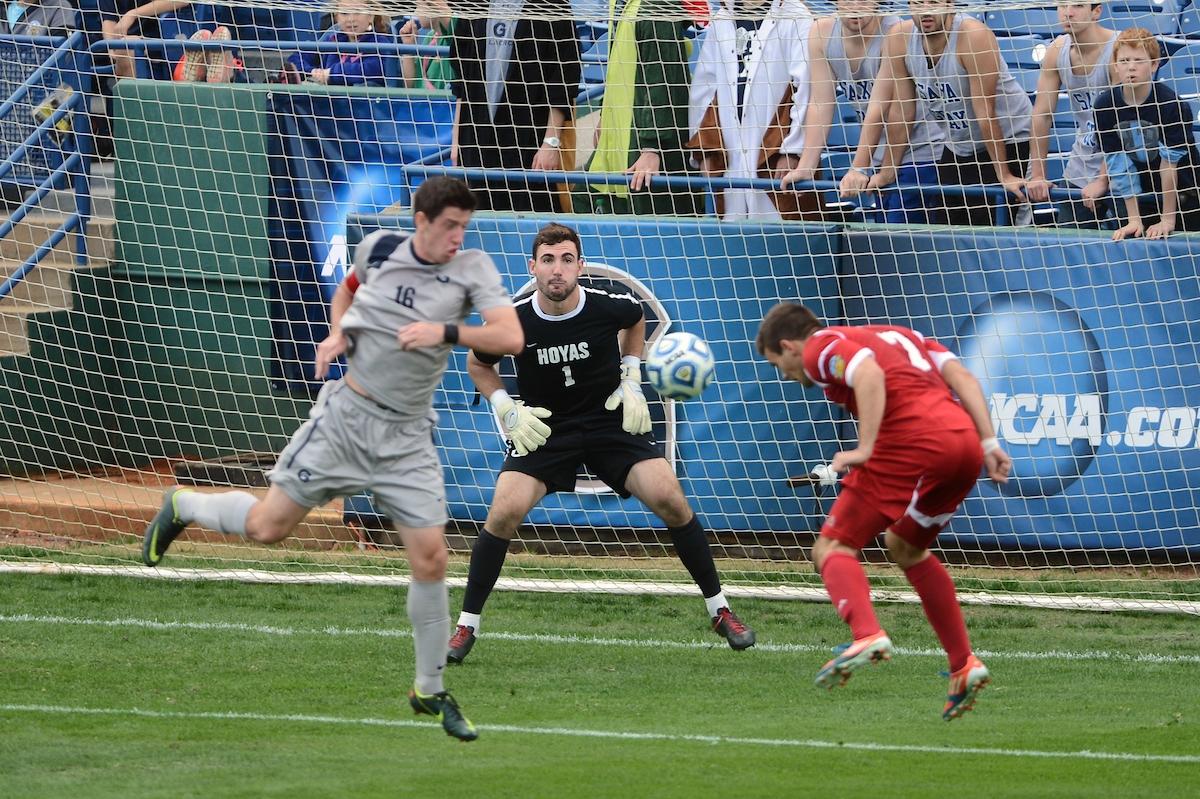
x=350, y=444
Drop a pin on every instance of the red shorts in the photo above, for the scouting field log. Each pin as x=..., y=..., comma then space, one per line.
x=911, y=487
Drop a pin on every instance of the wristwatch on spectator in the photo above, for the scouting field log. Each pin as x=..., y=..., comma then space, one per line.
x=864, y=171
x=552, y=141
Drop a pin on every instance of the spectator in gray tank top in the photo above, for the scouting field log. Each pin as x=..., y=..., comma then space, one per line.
x=948, y=65
x=1076, y=63
x=845, y=58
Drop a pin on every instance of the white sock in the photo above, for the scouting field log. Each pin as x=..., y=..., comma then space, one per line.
x=225, y=512
x=429, y=612
x=469, y=620
x=715, y=603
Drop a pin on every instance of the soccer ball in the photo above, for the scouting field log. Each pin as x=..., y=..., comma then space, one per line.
x=680, y=366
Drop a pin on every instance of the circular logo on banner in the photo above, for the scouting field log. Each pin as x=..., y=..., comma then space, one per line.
x=1046, y=385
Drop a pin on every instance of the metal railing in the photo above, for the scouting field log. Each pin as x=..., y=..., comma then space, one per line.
x=74, y=164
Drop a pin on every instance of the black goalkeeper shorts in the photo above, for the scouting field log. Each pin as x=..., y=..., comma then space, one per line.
x=597, y=441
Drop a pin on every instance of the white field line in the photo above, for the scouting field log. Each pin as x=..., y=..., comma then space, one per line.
x=796, y=743
x=544, y=638
x=620, y=587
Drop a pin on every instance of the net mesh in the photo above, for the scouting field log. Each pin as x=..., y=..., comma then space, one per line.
x=717, y=160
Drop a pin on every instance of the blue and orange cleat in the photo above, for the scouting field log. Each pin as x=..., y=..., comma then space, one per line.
x=965, y=685
x=871, y=649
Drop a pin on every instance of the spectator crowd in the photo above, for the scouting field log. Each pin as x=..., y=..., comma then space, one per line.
x=910, y=115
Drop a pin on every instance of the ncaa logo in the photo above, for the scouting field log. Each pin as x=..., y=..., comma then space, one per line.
x=601, y=276
x=1043, y=373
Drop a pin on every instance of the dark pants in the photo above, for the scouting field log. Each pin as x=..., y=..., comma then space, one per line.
x=976, y=170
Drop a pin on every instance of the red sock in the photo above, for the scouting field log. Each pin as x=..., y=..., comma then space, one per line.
x=850, y=592
x=936, y=589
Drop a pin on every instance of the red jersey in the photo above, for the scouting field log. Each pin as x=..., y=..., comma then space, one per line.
x=918, y=399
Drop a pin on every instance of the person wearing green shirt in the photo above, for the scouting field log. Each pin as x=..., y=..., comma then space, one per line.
x=644, y=114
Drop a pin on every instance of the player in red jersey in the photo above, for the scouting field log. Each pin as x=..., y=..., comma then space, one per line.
x=918, y=456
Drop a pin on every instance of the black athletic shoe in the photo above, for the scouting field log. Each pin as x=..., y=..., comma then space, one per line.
x=443, y=707
x=164, y=529
x=738, y=635
x=460, y=643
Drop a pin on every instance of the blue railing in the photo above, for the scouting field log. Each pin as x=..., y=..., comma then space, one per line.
x=69, y=49
x=994, y=194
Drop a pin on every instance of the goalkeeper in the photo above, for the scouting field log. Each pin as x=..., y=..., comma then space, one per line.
x=580, y=381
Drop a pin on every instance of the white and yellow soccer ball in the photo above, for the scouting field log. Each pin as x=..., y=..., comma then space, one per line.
x=679, y=366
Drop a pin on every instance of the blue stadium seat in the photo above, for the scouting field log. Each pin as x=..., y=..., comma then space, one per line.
x=1022, y=51
x=845, y=130
x=1062, y=131
x=1027, y=79
x=273, y=24
x=1056, y=164
x=1024, y=21
x=588, y=32
x=836, y=163
x=1161, y=19
x=1189, y=23
x=593, y=71
x=1182, y=71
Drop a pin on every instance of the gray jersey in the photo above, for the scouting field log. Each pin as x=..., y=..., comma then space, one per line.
x=946, y=89
x=925, y=140
x=396, y=289
x=1086, y=159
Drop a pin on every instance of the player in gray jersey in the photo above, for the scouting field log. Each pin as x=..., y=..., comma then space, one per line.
x=949, y=65
x=1076, y=63
x=845, y=56
x=395, y=317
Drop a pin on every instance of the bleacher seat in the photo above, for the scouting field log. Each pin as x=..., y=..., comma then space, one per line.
x=1023, y=55
x=1062, y=131
x=845, y=129
x=1182, y=72
x=1027, y=79
x=595, y=63
x=273, y=24
x=1161, y=19
x=1056, y=164
x=1041, y=22
x=1025, y=52
x=1189, y=23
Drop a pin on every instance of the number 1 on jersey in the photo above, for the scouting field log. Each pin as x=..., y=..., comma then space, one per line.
x=567, y=379
x=914, y=355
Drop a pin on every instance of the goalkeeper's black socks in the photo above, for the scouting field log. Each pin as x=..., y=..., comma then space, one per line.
x=487, y=559
x=691, y=545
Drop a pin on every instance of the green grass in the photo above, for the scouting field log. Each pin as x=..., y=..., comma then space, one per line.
x=336, y=664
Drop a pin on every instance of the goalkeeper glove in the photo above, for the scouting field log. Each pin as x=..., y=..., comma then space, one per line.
x=636, y=414
x=522, y=424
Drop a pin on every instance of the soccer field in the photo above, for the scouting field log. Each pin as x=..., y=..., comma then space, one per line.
x=122, y=687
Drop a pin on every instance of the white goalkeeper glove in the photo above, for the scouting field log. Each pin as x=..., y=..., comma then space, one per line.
x=635, y=412
x=522, y=424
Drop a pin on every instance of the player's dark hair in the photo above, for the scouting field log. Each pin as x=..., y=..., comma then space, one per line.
x=787, y=321
x=439, y=193
x=555, y=233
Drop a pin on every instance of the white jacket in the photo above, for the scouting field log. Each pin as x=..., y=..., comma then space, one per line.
x=779, y=56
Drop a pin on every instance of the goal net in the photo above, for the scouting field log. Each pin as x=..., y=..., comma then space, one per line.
x=1013, y=181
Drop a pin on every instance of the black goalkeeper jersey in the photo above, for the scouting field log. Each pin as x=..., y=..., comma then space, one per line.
x=571, y=363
